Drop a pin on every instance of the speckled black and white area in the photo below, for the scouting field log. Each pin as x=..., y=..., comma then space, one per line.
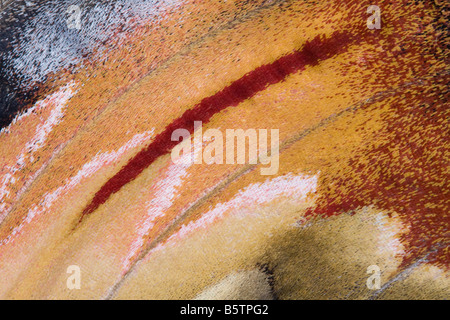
x=35, y=41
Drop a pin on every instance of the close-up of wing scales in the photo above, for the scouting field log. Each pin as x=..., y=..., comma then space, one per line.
x=224, y=150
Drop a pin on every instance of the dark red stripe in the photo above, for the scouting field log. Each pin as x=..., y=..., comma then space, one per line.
x=320, y=48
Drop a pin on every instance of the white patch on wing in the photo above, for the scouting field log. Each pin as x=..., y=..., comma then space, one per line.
x=163, y=195
x=57, y=102
x=253, y=195
x=390, y=232
x=99, y=161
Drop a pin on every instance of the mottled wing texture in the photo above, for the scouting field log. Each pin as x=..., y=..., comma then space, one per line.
x=87, y=178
